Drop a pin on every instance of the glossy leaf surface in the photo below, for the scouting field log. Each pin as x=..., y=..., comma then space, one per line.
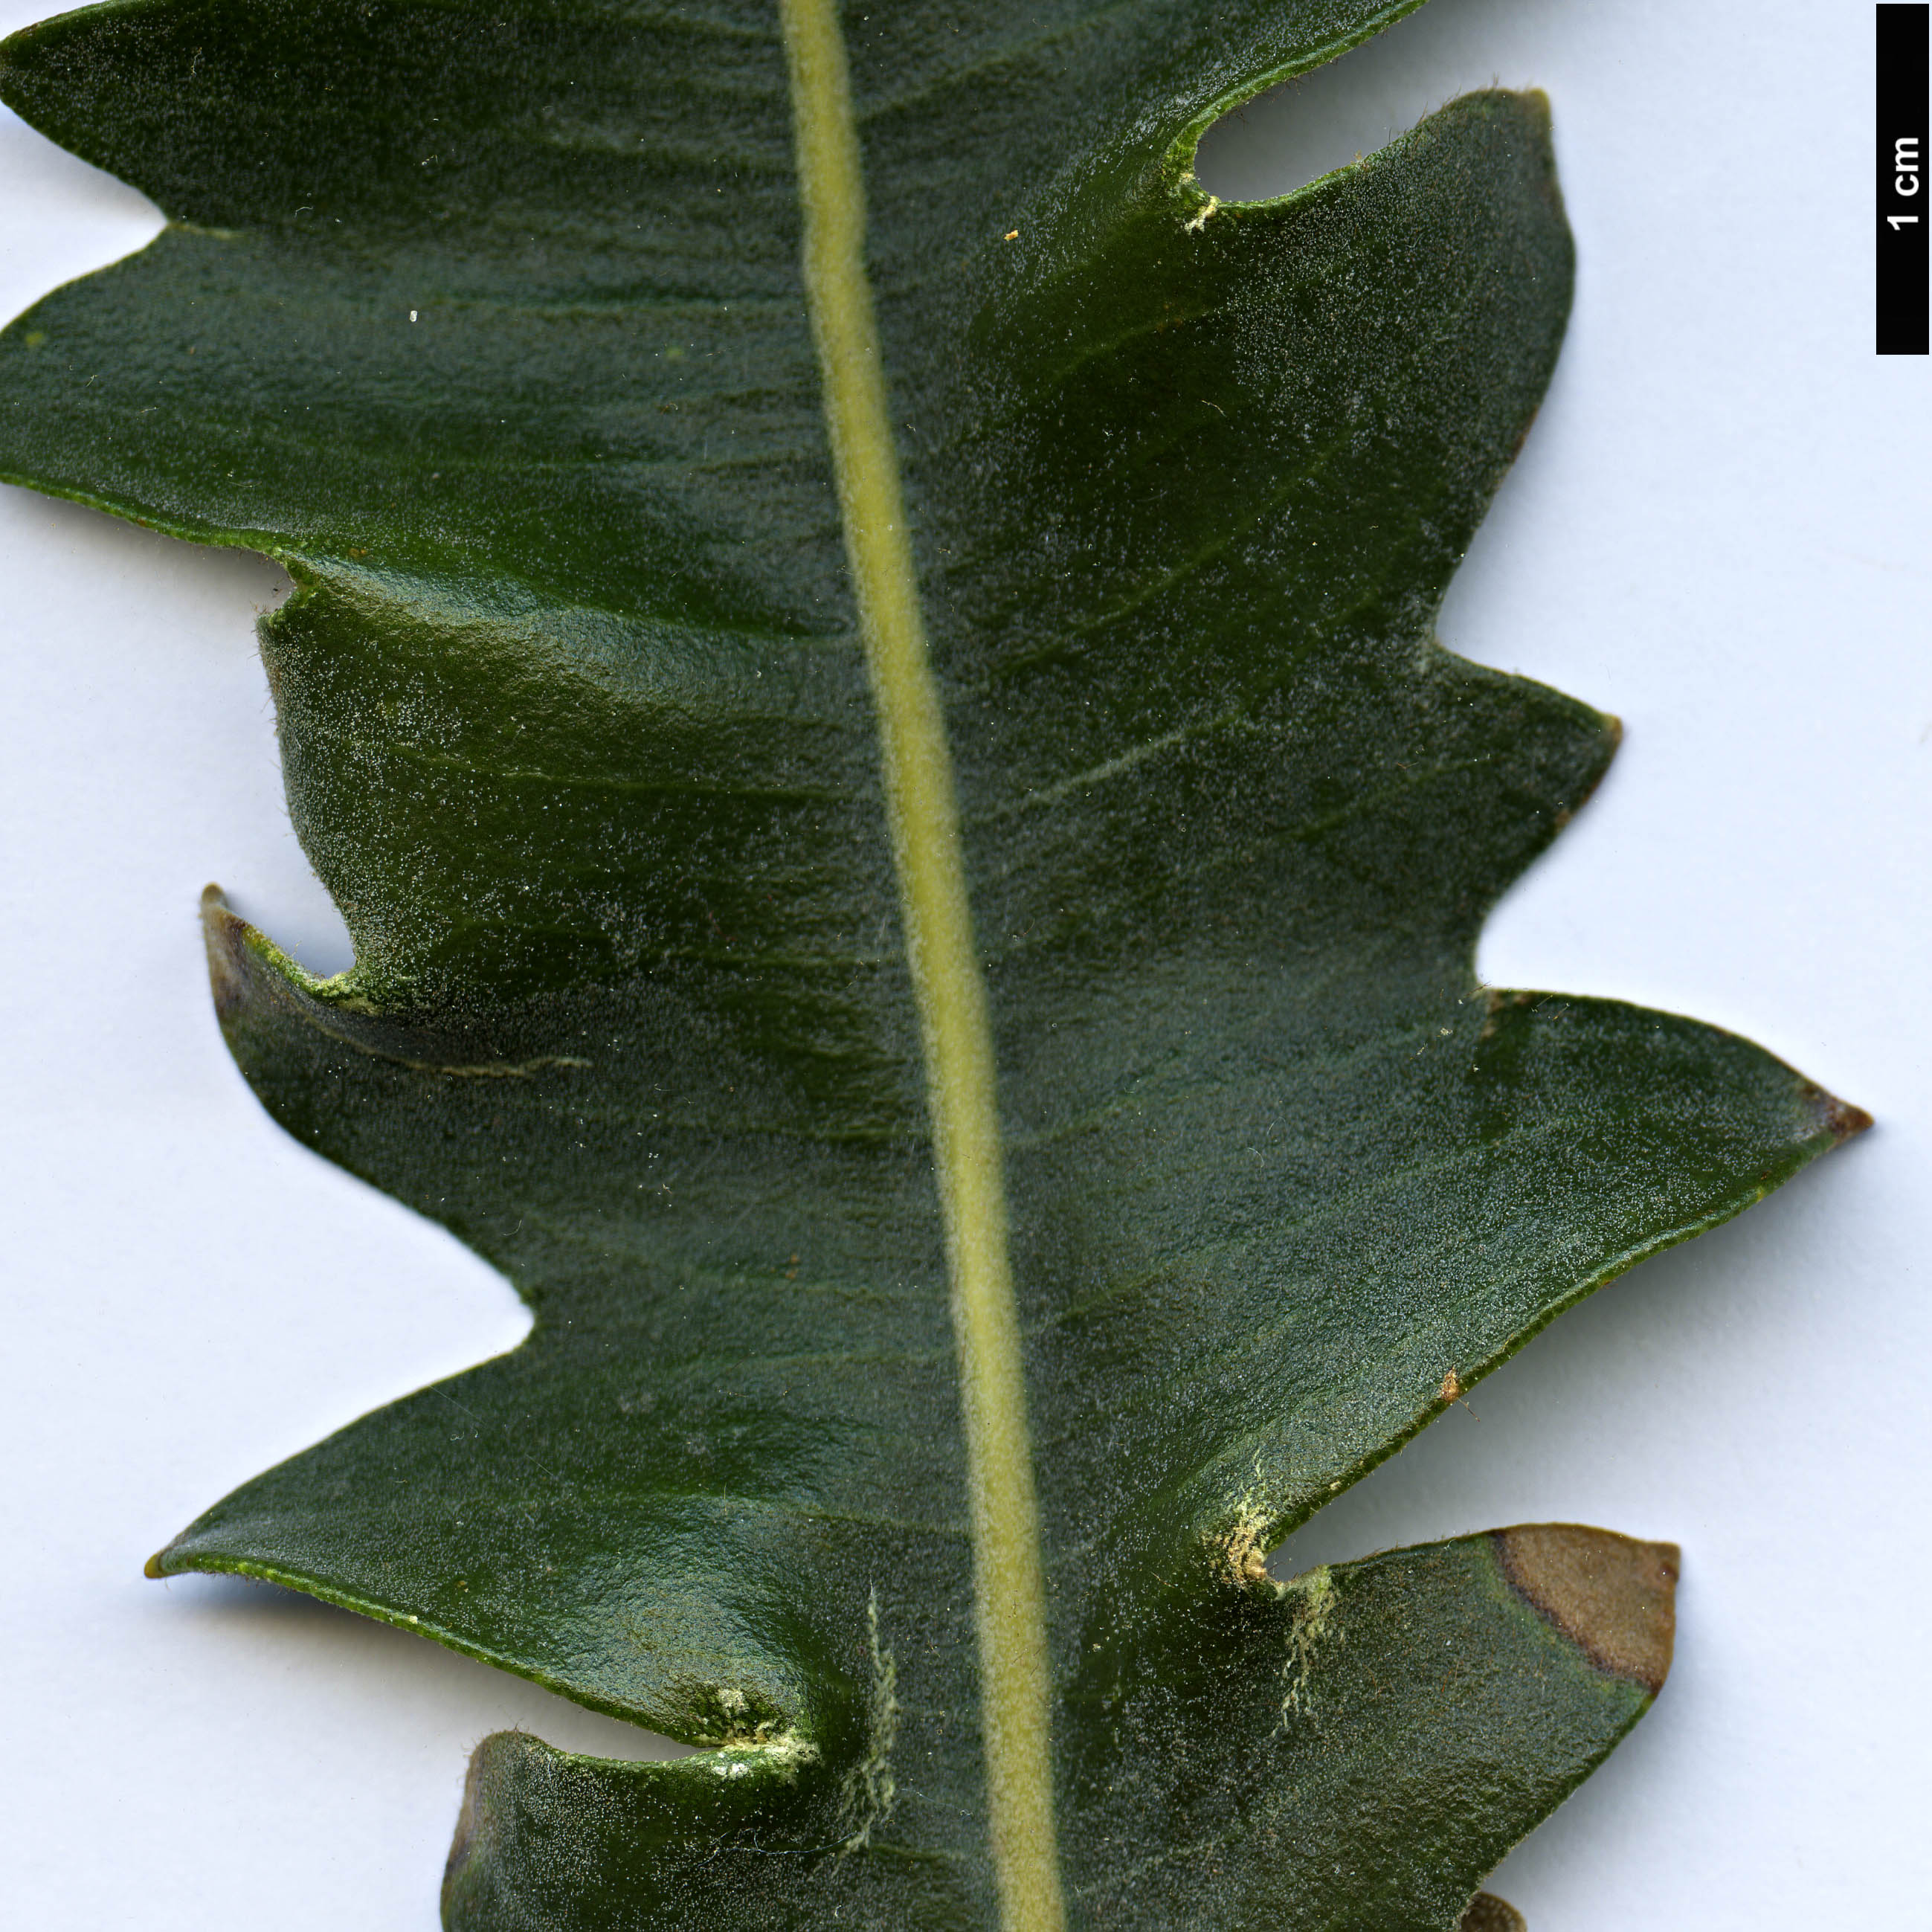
x=490, y=325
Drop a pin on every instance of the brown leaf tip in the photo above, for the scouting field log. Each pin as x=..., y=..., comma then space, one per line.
x=1613, y=1597
x=1488, y=1913
x=1841, y=1119
x=152, y=1568
x=225, y=935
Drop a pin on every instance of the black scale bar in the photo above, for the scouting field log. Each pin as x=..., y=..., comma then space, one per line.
x=1904, y=216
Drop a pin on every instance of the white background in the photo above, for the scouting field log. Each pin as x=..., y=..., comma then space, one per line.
x=1716, y=531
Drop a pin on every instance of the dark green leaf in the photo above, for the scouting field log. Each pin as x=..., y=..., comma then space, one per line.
x=491, y=326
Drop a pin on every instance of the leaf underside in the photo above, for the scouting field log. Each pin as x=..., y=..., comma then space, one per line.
x=488, y=325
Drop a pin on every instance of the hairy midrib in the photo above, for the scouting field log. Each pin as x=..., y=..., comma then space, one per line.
x=923, y=808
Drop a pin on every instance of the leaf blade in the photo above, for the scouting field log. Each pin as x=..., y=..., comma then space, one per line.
x=1427, y=1784
x=626, y=906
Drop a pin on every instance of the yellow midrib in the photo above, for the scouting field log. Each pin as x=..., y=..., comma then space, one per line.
x=1009, y=1589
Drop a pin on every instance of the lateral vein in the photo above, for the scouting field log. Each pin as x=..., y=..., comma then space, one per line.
x=922, y=809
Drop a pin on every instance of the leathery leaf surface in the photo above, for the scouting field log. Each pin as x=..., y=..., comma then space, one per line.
x=496, y=326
